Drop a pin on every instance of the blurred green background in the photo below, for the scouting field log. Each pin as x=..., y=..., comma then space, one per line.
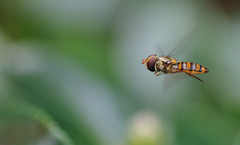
x=71, y=72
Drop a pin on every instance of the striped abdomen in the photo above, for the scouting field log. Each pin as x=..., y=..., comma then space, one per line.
x=189, y=67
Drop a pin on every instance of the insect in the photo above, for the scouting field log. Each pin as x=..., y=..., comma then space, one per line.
x=167, y=65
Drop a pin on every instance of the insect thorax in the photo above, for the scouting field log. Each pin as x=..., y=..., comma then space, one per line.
x=163, y=64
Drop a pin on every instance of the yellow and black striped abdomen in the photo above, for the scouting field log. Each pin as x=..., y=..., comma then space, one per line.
x=190, y=67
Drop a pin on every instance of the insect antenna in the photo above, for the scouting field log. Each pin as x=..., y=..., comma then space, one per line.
x=144, y=61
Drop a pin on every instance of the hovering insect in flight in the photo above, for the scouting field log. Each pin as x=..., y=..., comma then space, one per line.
x=167, y=65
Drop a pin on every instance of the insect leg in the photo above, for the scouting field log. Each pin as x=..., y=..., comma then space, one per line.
x=195, y=77
x=157, y=73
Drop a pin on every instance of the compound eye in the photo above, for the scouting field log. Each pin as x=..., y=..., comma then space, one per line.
x=151, y=63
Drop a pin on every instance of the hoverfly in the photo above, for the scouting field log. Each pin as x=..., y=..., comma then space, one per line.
x=167, y=65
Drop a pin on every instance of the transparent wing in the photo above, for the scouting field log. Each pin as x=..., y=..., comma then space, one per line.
x=159, y=50
x=182, y=42
x=173, y=80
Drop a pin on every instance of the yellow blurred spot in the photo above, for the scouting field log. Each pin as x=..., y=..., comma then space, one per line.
x=146, y=128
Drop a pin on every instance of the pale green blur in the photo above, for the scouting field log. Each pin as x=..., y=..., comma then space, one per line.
x=71, y=72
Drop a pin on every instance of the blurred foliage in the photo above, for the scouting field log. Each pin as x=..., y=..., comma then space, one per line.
x=71, y=73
